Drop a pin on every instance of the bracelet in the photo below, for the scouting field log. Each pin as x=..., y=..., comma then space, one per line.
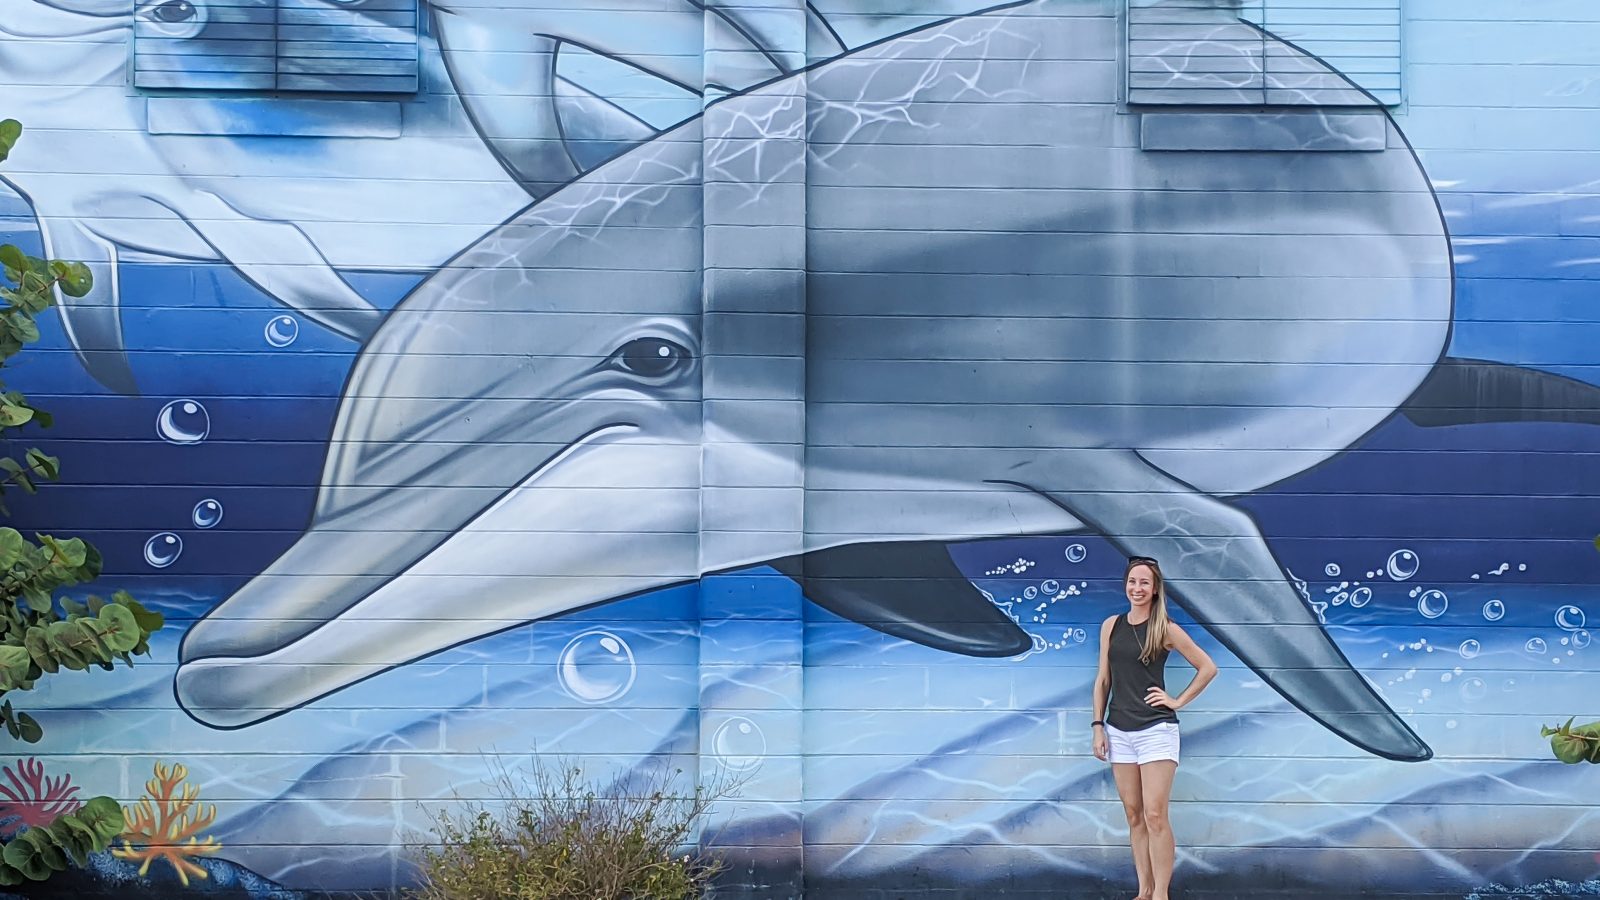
x=1100, y=722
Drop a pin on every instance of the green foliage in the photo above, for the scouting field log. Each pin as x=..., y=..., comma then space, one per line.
x=37, y=852
x=1574, y=744
x=555, y=836
x=38, y=635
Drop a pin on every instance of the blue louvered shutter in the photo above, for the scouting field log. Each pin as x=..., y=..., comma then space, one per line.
x=363, y=46
x=1272, y=52
x=223, y=45
x=347, y=46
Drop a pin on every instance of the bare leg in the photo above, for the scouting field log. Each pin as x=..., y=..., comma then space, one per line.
x=1129, y=787
x=1156, y=781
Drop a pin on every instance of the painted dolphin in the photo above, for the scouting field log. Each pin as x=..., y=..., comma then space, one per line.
x=217, y=184
x=1076, y=335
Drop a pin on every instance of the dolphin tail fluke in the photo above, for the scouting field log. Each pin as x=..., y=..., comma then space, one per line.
x=911, y=590
x=1477, y=392
x=283, y=261
x=93, y=322
x=1220, y=568
x=507, y=79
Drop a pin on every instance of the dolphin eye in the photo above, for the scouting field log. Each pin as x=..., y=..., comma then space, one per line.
x=173, y=11
x=174, y=18
x=651, y=357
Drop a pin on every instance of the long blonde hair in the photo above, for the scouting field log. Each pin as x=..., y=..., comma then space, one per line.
x=1155, y=636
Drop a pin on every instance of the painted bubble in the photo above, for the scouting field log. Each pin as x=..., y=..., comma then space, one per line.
x=1470, y=648
x=281, y=331
x=1494, y=610
x=1580, y=638
x=1433, y=603
x=183, y=422
x=1050, y=587
x=1076, y=553
x=1570, y=618
x=1331, y=570
x=596, y=667
x=1536, y=646
x=1474, y=689
x=1079, y=635
x=1340, y=598
x=163, y=550
x=1402, y=565
x=1360, y=597
x=207, y=514
x=739, y=744
x=1030, y=592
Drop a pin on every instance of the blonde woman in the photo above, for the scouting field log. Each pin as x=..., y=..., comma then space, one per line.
x=1139, y=731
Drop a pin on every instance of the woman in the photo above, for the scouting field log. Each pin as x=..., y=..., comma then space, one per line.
x=1139, y=733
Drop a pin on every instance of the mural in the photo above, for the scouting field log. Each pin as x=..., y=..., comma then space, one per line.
x=777, y=391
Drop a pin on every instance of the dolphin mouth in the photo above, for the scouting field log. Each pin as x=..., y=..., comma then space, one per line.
x=335, y=565
x=233, y=678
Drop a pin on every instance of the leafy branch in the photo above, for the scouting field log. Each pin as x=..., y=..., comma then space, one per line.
x=40, y=636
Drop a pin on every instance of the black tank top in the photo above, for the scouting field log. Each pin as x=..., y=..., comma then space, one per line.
x=1131, y=679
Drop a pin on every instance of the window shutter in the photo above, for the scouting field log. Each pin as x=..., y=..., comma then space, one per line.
x=351, y=46
x=224, y=45
x=366, y=46
x=1243, y=52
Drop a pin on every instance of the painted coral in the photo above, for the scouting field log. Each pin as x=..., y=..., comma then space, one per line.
x=33, y=800
x=167, y=823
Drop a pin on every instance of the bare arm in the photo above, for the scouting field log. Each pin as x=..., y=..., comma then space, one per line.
x=1102, y=689
x=1102, y=677
x=1204, y=668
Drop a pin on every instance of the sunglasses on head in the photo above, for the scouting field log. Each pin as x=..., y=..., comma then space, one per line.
x=1143, y=559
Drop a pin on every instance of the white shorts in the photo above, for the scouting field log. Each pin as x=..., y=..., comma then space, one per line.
x=1159, y=741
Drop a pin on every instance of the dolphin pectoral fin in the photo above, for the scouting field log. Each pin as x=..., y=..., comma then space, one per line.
x=1476, y=392
x=1221, y=570
x=93, y=322
x=281, y=260
x=911, y=590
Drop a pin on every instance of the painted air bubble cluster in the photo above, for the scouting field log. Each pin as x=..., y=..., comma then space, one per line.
x=182, y=422
x=1031, y=605
x=1501, y=569
x=281, y=331
x=596, y=667
x=1016, y=567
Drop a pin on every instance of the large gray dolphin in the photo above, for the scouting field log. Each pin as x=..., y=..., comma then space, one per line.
x=1017, y=323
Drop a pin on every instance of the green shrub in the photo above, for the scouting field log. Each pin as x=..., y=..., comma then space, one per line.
x=553, y=835
x=42, y=633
